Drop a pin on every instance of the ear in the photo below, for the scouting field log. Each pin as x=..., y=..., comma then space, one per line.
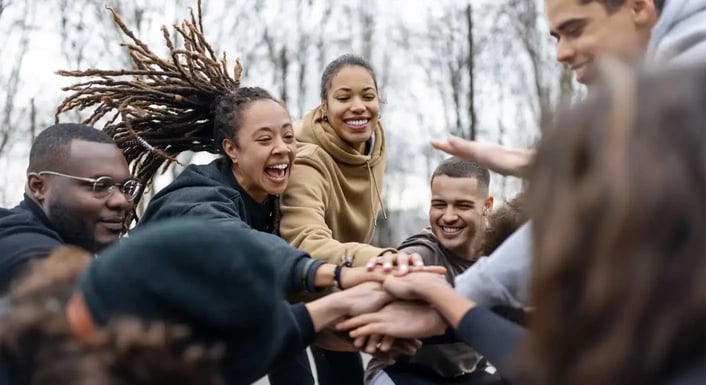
x=644, y=13
x=488, y=206
x=231, y=150
x=37, y=187
x=324, y=108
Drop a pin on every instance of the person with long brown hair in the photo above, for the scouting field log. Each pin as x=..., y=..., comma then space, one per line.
x=617, y=196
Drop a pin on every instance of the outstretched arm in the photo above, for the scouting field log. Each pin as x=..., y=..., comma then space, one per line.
x=503, y=160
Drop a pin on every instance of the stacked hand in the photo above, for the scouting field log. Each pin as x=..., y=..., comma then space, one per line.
x=390, y=263
x=386, y=320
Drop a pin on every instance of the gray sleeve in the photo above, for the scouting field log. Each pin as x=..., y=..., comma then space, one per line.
x=503, y=277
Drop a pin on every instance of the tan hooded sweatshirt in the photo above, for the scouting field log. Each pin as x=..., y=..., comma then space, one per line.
x=333, y=197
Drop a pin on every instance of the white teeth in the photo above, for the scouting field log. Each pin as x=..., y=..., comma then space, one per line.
x=279, y=166
x=357, y=122
x=450, y=229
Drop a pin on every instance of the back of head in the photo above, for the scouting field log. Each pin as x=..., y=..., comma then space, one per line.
x=501, y=223
x=54, y=144
x=211, y=276
x=619, y=216
x=38, y=347
x=455, y=167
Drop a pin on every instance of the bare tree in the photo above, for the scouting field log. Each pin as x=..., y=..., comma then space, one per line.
x=451, y=65
x=10, y=78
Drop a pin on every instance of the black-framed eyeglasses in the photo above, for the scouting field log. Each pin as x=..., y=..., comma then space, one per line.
x=104, y=186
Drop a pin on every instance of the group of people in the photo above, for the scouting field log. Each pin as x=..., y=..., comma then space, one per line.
x=594, y=275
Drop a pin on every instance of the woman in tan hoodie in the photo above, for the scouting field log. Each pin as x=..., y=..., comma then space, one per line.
x=333, y=198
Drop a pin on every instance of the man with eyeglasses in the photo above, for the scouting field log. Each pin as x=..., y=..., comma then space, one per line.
x=79, y=191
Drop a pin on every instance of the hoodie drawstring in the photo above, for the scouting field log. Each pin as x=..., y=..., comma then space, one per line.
x=377, y=191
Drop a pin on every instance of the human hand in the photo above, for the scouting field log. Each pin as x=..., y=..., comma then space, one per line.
x=503, y=160
x=414, y=286
x=405, y=262
x=364, y=298
x=399, y=319
x=334, y=340
x=353, y=276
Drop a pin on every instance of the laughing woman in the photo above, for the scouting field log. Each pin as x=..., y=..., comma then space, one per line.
x=189, y=102
x=331, y=204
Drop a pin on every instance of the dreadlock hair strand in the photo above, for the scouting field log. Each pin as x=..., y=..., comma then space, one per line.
x=162, y=106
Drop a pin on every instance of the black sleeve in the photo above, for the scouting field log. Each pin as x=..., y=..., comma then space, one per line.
x=18, y=250
x=494, y=337
x=297, y=332
x=219, y=204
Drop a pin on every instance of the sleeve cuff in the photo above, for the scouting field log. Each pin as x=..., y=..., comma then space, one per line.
x=311, y=267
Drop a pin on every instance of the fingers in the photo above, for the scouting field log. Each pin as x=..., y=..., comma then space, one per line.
x=434, y=269
x=387, y=343
x=388, y=261
x=374, y=342
x=356, y=322
x=368, y=330
x=403, y=260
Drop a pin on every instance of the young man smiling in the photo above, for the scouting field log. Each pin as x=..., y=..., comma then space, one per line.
x=460, y=204
x=588, y=29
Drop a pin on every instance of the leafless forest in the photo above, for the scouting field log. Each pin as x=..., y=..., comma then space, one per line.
x=481, y=69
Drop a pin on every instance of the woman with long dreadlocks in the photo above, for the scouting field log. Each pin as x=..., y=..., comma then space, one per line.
x=189, y=102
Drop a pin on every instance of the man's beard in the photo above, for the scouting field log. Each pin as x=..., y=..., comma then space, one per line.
x=72, y=229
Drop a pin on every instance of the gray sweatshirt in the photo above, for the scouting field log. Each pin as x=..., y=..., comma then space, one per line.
x=501, y=278
x=679, y=38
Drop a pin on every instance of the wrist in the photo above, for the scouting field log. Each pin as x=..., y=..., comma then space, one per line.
x=324, y=275
x=341, y=269
x=326, y=310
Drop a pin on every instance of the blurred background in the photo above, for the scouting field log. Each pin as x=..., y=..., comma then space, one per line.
x=481, y=69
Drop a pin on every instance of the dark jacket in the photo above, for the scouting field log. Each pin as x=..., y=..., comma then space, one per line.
x=499, y=341
x=446, y=358
x=212, y=192
x=25, y=234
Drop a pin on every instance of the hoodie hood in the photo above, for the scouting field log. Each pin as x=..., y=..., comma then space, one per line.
x=316, y=130
x=680, y=34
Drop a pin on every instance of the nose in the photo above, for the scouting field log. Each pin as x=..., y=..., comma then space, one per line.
x=118, y=200
x=357, y=106
x=450, y=215
x=565, y=52
x=280, y=146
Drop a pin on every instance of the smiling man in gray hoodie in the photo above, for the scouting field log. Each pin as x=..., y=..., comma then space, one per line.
x=677, y=37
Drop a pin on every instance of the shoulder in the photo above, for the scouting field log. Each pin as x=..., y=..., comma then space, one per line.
x=310, y=152
x=22, y=224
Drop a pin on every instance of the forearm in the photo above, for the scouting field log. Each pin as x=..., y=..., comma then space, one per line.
x=451, y=305
x=326, y=310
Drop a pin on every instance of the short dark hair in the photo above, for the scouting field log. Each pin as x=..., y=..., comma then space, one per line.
x=54, y=143
x=347, y=60
x=455, y=167
x=228, y=112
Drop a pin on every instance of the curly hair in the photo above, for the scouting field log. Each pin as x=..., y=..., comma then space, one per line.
x=37, y=346
x=619, y=214
x=501, y=223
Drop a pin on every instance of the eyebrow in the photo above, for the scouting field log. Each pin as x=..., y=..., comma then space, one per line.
x=269, y=129
x=348, y=89
x=566, y=25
